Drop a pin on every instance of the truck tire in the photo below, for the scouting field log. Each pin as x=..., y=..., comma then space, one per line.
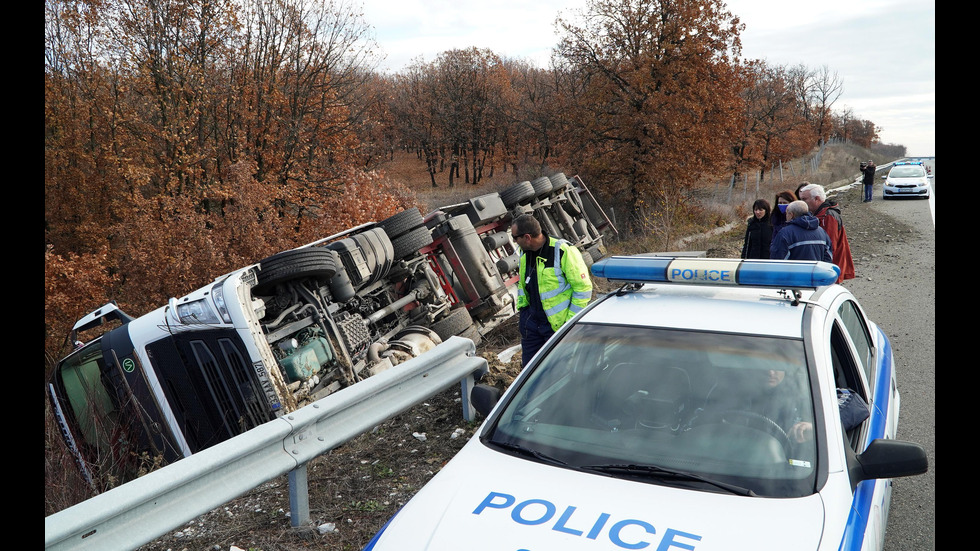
x=588, y=260
x=558, y=181
x=410, y=243
x=315, y=262
x=542, y=186
x=595, y=252
x=399, y=224
x=458, y=321
x=378, y=248
x=517, y=193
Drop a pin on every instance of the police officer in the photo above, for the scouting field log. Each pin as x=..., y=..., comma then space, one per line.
x=555, y=288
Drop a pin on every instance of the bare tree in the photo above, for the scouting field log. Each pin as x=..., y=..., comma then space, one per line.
x=827, y=89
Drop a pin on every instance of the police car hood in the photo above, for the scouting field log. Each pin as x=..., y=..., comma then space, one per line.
x=484, y=500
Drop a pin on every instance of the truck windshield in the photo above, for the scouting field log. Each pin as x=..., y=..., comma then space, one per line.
x=89, y=401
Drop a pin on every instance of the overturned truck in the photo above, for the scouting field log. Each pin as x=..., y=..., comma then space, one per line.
x=268, y=338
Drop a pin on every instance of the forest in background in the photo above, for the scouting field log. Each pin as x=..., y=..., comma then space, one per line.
x=186, y=138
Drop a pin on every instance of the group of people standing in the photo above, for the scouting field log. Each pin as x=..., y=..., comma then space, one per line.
x=804, y=226
x=554, y=282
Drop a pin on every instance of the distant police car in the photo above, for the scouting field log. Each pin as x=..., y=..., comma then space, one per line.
x=696, y=408
x=907, y=179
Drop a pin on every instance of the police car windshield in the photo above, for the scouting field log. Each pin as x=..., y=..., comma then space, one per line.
x=722, y=406
x=908, y=171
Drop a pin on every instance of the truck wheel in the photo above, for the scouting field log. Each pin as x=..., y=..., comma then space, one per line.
x=558, y=181
x=596, y=252
x=472, y=334
x=588, y=260
x=456, y=322
x=542, y=186
x=315, y=262
x=410, y=243
x=517, y=193
x=401, y=223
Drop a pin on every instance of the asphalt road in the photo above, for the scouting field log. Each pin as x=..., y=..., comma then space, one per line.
x=893, y=245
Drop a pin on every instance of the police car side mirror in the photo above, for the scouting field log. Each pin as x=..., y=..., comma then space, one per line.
x=484, y=397
x=886, y=458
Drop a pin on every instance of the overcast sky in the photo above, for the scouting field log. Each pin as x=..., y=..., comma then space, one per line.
x=882, y=50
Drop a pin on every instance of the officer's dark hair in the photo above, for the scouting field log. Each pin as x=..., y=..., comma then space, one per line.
x=528, y=224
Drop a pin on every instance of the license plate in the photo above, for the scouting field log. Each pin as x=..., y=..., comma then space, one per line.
x=906, y=190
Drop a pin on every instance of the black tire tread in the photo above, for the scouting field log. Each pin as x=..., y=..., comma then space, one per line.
x=410, y=243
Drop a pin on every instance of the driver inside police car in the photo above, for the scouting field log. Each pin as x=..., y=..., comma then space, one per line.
x=778, y=399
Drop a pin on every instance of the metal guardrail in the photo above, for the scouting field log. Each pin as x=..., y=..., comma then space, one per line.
x=150, y=506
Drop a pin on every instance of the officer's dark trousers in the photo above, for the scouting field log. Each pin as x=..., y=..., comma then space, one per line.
x=535, y=330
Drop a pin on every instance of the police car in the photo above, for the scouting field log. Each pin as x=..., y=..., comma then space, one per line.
x=707, y=404
x=906, y=179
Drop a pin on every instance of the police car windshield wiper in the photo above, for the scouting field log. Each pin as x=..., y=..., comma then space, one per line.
x=655, y=471
x=526, y=451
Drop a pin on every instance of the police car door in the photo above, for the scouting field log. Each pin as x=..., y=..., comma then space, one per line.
x=862, y=361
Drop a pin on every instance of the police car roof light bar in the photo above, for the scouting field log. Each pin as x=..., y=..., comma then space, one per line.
x=782, y=274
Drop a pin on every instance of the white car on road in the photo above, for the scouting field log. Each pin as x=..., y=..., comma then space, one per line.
x=907, y=179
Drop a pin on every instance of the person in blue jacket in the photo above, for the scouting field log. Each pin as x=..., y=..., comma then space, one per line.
x=802, y=238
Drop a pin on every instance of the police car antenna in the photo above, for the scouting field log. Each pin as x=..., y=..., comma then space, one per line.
x=628, y=287
x=796, y=295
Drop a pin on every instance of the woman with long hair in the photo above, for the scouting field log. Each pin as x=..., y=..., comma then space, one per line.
x=758, y=234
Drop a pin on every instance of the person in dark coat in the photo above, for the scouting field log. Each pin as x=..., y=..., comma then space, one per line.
x=868, y=172
x=758, y=234
x=802, y=238
x=778, y=218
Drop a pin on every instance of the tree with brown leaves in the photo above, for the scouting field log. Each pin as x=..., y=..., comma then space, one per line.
x=660, y=104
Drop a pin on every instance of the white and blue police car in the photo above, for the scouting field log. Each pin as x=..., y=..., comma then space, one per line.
x=906, y=179
x=707, y=404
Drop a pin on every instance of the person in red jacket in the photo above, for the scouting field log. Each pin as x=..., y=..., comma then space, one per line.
x=830, y=220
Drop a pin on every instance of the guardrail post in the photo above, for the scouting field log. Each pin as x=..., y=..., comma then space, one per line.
x=299, y=497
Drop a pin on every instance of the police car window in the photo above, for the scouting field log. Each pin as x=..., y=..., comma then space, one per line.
x=907, y=172
x=847, y=376
x=853, y=324
x=729, y=407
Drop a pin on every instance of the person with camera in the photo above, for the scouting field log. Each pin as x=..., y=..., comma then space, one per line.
x=868, y=170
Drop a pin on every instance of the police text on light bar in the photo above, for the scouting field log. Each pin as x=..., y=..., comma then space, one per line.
x=718, y=271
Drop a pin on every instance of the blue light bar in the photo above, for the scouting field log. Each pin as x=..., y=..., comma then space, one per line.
x=792, y=274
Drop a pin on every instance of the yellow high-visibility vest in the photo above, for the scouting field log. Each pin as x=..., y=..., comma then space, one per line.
x=564, y=289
